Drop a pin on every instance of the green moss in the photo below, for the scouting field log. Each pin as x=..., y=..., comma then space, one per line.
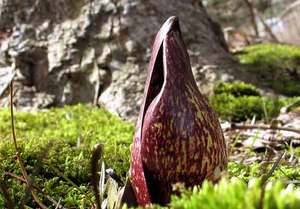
x=56, y=147
x=237, y=194
x=277, y=66
x=236, y=89
x=239, y=101
x=246, y=172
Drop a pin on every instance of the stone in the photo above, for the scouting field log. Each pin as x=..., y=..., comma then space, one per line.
x=6, y=76
x=96, y=51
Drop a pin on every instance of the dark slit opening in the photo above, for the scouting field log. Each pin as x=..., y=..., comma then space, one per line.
x=157, y=79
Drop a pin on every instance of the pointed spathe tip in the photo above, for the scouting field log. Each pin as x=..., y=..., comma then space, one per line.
x=171, y=24
x=171, y=20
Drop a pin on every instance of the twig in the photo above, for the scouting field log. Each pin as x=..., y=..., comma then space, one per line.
x=6, y=195
x=61, y=174
x=265, y=179
x=66, y=178
x=19, y=178
x=19, y=158
x=271, y=171
x=267, y=28
x=58, y=204
x=252, y=16
x=263, y=127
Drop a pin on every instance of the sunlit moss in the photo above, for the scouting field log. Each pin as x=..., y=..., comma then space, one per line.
x=56, y=146
x=235, y=193
x=277, y=66
x=239, y=101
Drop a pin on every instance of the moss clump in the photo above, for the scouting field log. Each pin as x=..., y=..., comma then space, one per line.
x=239, y=101
x=56, y=147
x=236, y=194
x=255, y=170
x=236, y=89
x=276, y=65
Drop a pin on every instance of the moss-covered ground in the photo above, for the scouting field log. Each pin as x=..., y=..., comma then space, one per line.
x=276, y=66
x=239, y=101
x=56, y=147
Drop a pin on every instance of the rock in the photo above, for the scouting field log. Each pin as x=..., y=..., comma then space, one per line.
x=6, y=76
x=30, y=100
x=97, y=51
x=54, y=48
x=291, y=120
x=116, y=99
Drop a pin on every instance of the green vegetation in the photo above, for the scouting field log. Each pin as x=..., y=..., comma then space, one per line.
x=242, y=189
x=237, y=194
x=236, y=89
x=246, y=172
x=277, y=66
x=239, y=101
x=56, y=146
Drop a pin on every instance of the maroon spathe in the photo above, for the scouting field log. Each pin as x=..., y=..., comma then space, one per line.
x=178, y=137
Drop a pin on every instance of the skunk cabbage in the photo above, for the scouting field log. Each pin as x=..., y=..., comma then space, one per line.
x=178, y=137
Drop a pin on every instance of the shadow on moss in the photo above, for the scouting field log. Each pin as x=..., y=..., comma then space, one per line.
x=238, y=101
x=276, y=66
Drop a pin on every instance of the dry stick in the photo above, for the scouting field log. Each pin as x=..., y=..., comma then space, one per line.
x=267, y=28
x=36, y=170
x=22, y=167
x=254, y=12
x=6, y=195
x=275, y=165
x=57, y=206
x=252, y=16
x=61, y=174
x=19, y=178
x=265, y=179
x=263, y=127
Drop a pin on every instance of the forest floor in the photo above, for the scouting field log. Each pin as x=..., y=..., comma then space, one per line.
x=56, y=146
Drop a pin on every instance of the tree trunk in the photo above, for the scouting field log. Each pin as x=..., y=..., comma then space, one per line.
x=252, y=16
x=66, y=51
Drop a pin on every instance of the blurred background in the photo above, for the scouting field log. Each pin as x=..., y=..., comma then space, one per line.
x=251, y=21
x=68, y=58
x=97, y=51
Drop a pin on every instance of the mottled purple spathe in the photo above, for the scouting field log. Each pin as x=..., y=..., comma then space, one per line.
x=178, y=137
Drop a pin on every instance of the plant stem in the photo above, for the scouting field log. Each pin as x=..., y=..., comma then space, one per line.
x=19, y=178
x=18, y=153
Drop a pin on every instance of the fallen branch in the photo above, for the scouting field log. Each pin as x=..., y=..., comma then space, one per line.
x=18, y=155
x=265, y=179
x=252, y=16
x=263, y=127
x=271, y=171
x=58, y=204
x=22, y=180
